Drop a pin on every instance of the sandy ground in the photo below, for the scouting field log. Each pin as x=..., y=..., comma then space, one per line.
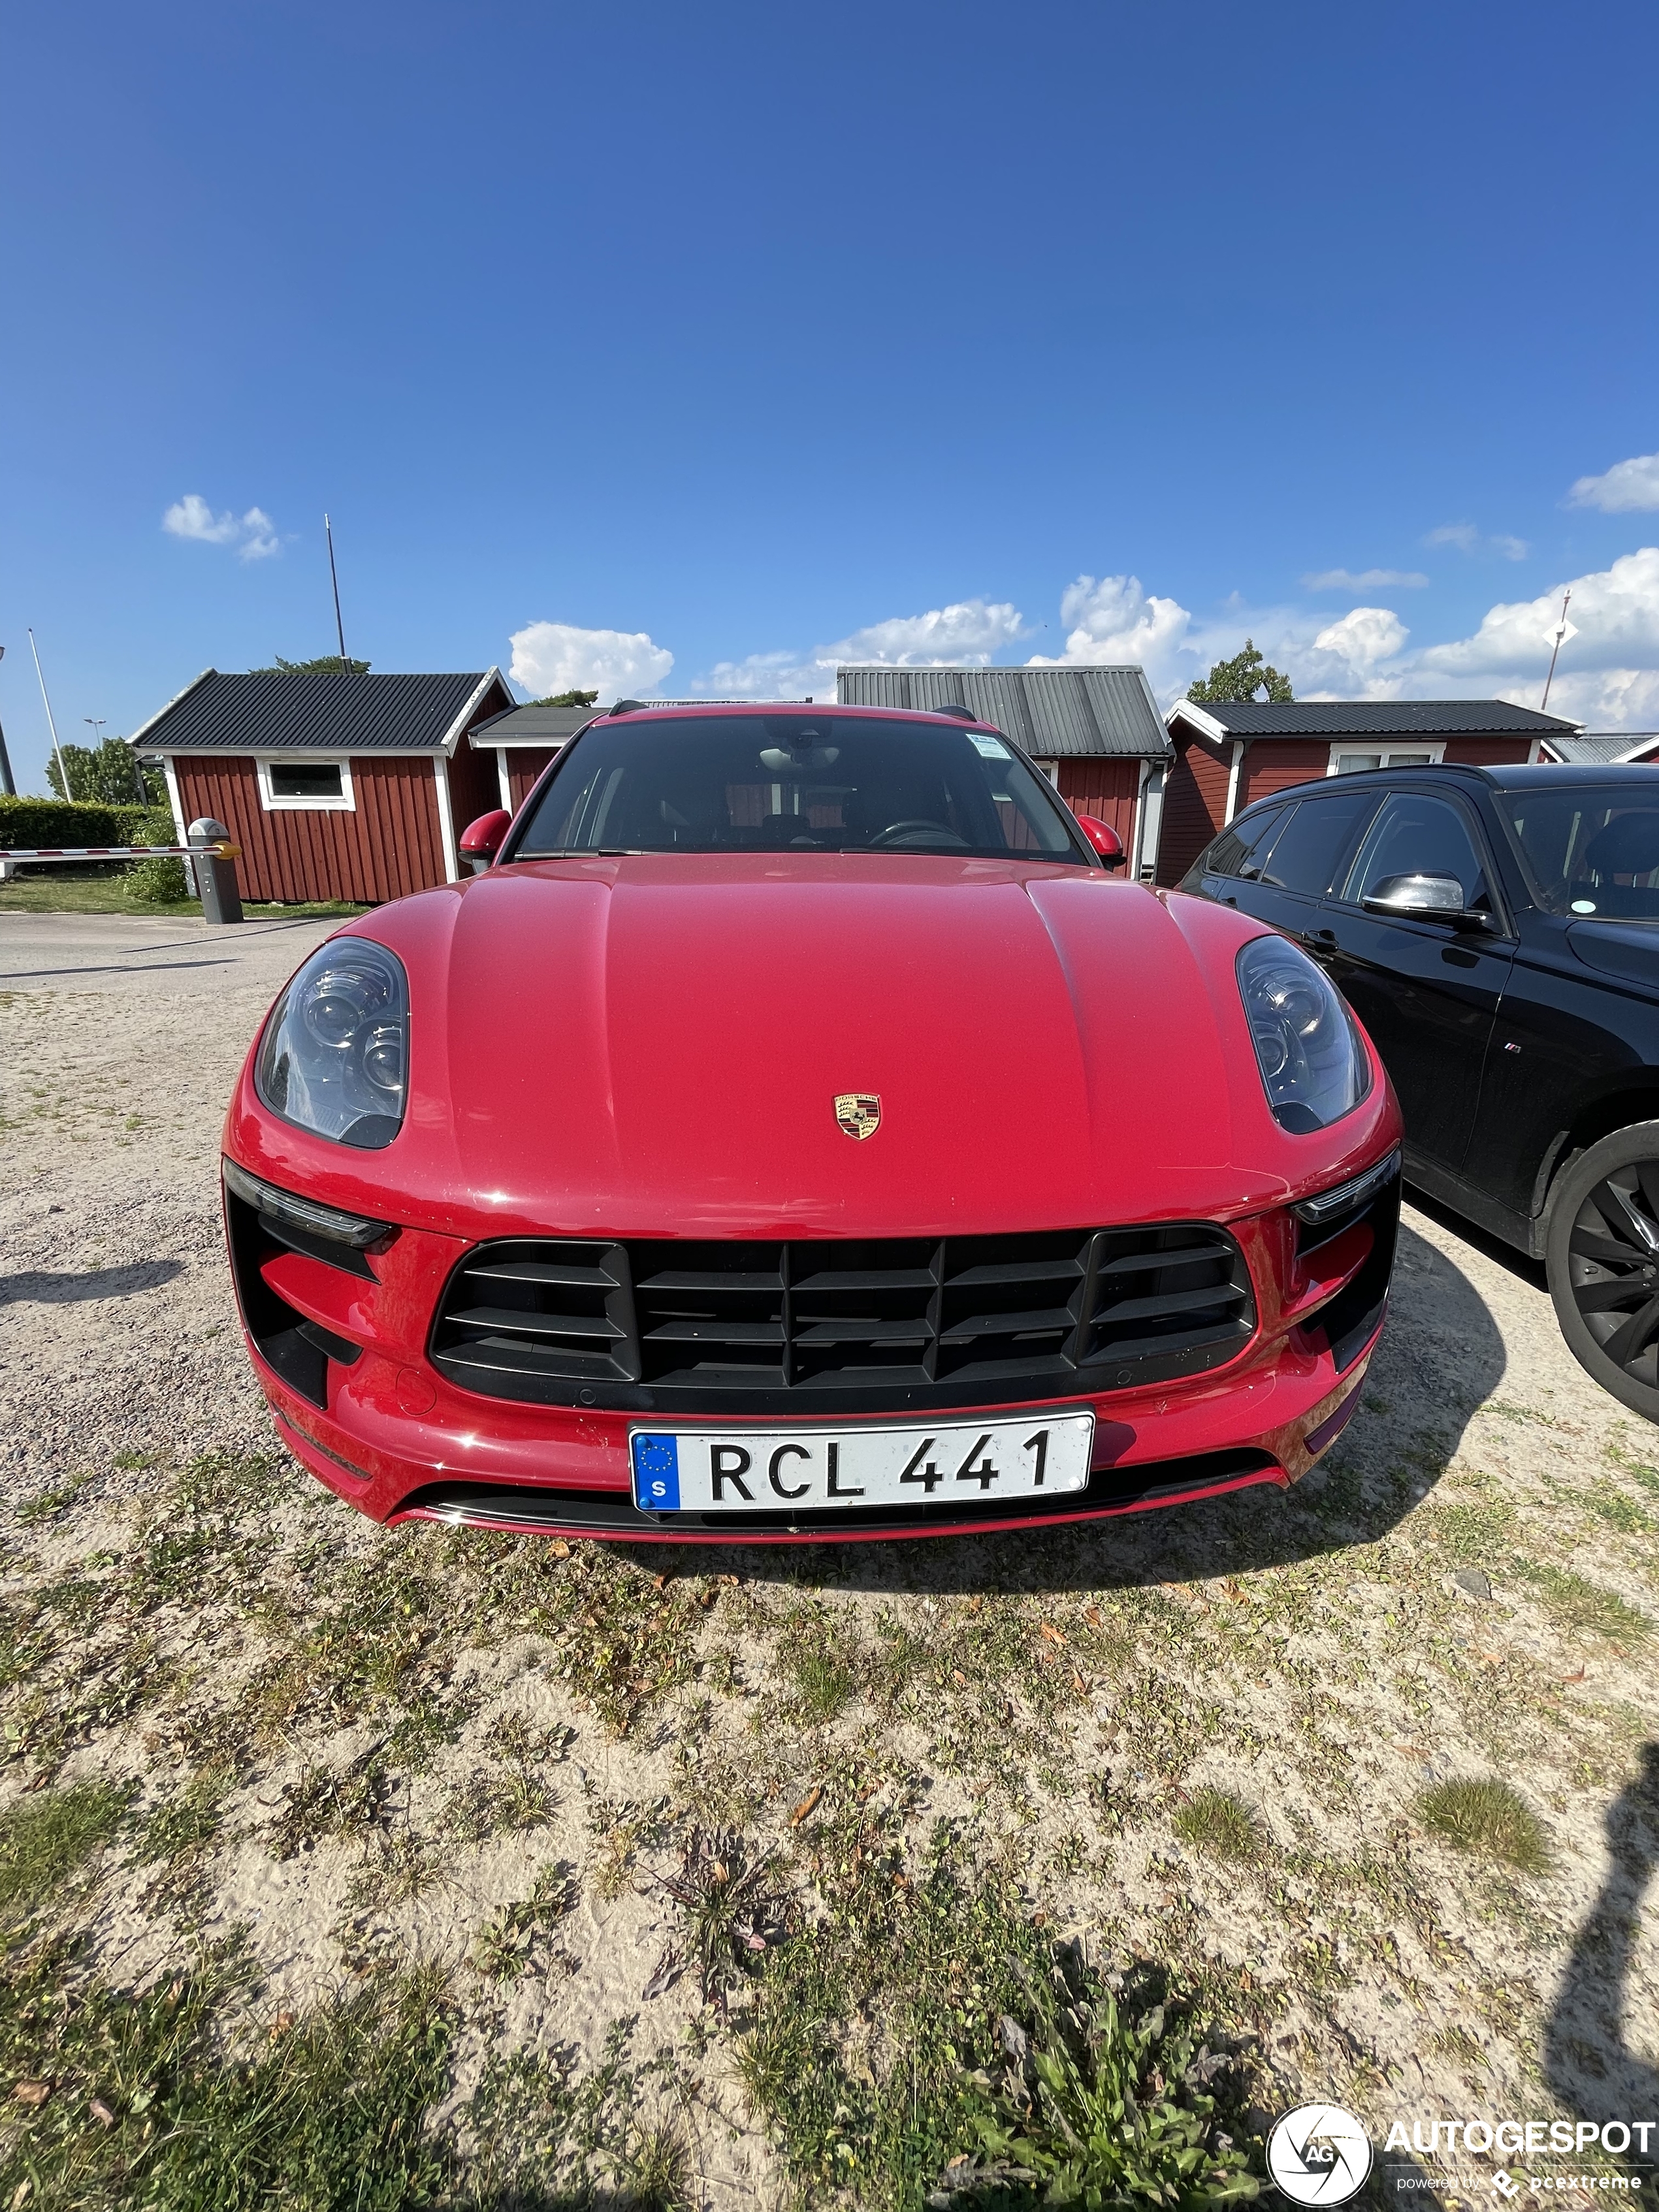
x=1418, y=1612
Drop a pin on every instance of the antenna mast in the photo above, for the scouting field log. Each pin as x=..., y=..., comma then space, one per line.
x=1562, y=630
x=339, y=627
x=62, y=771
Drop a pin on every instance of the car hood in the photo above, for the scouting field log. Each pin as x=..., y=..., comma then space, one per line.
x=640, y=1045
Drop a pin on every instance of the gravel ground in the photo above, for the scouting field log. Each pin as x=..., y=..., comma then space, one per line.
x=1466, y=1592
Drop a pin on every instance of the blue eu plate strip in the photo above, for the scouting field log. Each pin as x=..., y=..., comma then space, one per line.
x=657, y=1474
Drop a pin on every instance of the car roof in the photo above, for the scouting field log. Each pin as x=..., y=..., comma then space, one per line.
x=1631, y=774
x=645, y=710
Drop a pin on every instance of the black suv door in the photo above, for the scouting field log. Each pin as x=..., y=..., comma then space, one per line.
x=1426, y=989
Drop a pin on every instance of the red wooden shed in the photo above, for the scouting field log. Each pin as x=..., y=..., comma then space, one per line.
x=521, y=742
x=1229, y=753
x=1095, y=731
x=336, y=787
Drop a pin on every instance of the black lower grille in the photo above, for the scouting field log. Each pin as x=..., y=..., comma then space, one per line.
x=612, y=1512
x=843, y=1325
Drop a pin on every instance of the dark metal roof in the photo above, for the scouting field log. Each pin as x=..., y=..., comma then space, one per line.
x=315, y=714
x=535, y=725
x=1055, y=713
x=1377, y=717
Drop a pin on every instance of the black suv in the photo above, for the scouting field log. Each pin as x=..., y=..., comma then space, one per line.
x=1497, y=930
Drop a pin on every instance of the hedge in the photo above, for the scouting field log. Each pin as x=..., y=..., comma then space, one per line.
x=81, y=821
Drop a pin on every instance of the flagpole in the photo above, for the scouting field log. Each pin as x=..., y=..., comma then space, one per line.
x=62, y=771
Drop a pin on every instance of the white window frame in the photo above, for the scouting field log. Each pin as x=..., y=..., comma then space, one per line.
x=345, y=803
x=1396, y=752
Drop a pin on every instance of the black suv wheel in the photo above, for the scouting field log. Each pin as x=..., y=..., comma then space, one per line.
x=1603, y=1259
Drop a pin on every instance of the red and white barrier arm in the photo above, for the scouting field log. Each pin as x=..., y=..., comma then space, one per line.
x=223, y=851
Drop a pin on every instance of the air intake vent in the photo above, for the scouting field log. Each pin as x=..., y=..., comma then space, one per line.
x=833, y=1326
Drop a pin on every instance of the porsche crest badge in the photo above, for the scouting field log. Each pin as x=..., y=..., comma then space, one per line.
x=858, y=1113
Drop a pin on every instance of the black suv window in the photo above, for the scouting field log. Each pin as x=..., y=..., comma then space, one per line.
x=1235, y=852
x=1309, y=851
x=1591, y=852
x=1418, y=837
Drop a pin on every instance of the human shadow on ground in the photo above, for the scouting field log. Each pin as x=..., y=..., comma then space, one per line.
x=46, y=1287
x=1441, y=1356
x=1588, y=2061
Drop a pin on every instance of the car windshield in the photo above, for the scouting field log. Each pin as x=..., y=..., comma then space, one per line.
x=796, y=782
x=1591, y=851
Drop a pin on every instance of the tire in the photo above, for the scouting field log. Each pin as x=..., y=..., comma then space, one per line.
x=1602, y=1256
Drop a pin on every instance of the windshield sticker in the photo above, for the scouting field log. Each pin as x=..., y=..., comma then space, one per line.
x=990, y=748
x=1584, y=906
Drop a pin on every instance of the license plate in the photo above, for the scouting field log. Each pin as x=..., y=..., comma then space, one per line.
x=791, y=1471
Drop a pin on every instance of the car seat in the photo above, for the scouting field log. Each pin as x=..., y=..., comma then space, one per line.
x=1628, y=847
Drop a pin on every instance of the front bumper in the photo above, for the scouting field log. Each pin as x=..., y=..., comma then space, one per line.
x=340, y=1353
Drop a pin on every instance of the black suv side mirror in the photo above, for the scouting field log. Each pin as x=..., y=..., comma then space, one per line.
x=1425, y=898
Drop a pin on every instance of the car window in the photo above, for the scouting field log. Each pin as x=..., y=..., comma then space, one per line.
x=1234, y=853
x=796, y=782
x=1589, y=851
x=1418, y=837
x=1309, y=851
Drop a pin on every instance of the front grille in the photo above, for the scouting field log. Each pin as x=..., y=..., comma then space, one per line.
x=842, y=1325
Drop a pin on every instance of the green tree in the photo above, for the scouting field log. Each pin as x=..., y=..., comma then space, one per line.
x=110, y=774
x=327, y=663
x=568, y=699
x=1241, y=677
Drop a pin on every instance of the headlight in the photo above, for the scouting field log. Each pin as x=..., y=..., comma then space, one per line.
x=336, y=1049
x=1313, y=1068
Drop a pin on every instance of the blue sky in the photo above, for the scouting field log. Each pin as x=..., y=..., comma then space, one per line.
x=752, y=335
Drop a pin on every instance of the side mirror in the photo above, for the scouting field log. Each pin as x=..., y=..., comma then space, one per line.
x=1105, y=839
x=1423, y=898
x=482, y=839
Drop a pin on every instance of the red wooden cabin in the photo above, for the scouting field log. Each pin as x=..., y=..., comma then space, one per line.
x=336, y=787
x=1227, y=754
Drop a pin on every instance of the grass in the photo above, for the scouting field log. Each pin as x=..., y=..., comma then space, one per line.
x=59, y=894
x=1487, y=1818
x=44, y=1839
x=1213, y=1820
x=1577, y=1603
x=892, y=2030
x=1113, y=2106
x=144, y=2103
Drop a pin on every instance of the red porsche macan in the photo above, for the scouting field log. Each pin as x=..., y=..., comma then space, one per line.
x=797, y=1130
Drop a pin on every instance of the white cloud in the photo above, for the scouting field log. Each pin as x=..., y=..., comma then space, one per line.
x=1468, y=539
x=261, y=540
x=1111, y=619
x=253, y=534
x=1628, y=487
x=191, y=517
x=553, y=656
x=1369, y=579
x=967, y=633
x=1607, y=675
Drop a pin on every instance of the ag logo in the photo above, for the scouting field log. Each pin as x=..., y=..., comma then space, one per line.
x=858, y=1113
x=1319, y=2154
